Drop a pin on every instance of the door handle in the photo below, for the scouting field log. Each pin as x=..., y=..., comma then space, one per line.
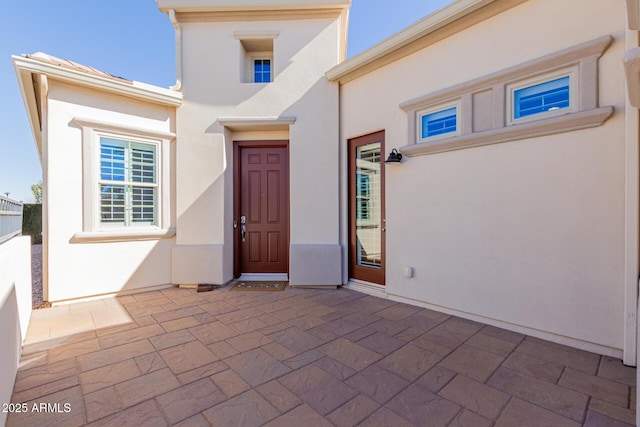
x=243, y=232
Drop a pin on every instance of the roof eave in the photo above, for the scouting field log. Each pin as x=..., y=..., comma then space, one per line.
x=253, y=5
x=29, y=98
x=136, y=90
x=420, y=29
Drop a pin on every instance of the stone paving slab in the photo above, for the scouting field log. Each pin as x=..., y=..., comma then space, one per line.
x=303, y=357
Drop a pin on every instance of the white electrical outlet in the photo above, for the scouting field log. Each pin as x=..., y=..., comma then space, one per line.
x=408, y=272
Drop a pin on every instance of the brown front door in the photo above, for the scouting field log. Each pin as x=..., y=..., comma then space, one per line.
x=262, y=207
x=366, y=208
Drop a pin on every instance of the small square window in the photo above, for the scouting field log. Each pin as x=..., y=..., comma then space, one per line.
x=256, y=56
x=439, y=122
x=261, y=70
x=543, y=97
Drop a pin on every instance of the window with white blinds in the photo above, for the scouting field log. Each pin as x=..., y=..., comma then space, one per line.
x=128, y=183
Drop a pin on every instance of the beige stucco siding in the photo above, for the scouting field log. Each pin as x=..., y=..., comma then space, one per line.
x=526, y=233
x=303, y=49
x=77, y=268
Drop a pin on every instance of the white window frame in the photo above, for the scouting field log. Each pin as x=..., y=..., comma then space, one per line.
x=436, y=109
x=571, y=72
x=92, y=227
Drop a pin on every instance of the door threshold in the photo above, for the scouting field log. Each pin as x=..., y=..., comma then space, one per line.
x=264, y=277
x=367, y=288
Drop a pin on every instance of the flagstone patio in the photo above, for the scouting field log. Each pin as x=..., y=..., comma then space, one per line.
x=302, y=358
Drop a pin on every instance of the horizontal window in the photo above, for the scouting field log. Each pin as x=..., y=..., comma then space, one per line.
x=541, y=98
x=439, y=122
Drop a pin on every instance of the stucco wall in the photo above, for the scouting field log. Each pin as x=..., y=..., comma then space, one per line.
x=212, y=85
x=15, y=310
x=79, y=268
x=527, y=233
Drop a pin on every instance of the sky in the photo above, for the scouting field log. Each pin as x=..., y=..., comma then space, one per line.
x=131, y=39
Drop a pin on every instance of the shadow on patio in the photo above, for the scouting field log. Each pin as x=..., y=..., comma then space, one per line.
x=302, y=358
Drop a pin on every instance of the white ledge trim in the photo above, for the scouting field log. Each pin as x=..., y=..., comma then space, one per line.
x=253, y=35
x=256, y=123
x=110, y=126
x=122, y=236
x=135, y=89
x=566, y=123
x=251, y=121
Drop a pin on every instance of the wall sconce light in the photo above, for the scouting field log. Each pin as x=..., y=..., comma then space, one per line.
x=394, y=157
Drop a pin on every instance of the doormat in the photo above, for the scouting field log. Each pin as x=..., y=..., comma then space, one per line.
x=262, y=286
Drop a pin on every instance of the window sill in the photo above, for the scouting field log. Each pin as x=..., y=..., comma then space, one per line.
x=122, y=235
x=565, y=123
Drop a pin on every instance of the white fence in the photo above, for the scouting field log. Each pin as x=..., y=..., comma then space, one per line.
x=10, y=218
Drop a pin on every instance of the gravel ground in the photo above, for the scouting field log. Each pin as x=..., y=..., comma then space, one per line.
x=36, y=278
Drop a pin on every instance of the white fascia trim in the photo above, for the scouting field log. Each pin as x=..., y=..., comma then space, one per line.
x=248, y=5
x=137, y=90
x=425, y=26
x=29, y=98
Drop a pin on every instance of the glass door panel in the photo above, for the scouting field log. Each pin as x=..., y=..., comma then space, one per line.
x=366, y=208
